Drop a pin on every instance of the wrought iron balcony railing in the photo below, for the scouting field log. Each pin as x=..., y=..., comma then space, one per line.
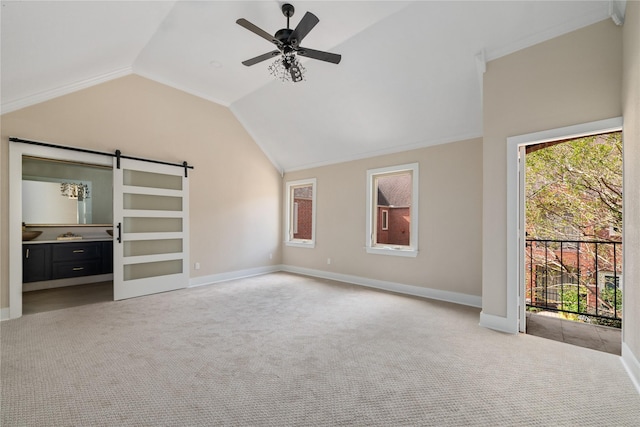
x=580, y=278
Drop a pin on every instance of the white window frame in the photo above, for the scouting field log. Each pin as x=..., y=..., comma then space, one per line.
x=295, y=218
x=385, y=220
x=290, y=226
x=372, y=212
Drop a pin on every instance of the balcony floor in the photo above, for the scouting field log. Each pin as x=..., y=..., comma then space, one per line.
x=596, y=337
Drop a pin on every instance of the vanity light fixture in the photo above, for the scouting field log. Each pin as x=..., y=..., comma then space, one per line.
x=74, y=191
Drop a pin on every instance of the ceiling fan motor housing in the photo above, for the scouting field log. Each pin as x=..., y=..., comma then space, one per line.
x=283, y=37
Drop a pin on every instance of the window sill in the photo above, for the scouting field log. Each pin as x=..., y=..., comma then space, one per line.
x=388, y=250
x=309, y=244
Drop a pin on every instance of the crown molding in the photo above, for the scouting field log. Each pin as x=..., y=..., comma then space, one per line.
x=386, y=151
x=39, y=97
x=577, y=23
x=617, y=11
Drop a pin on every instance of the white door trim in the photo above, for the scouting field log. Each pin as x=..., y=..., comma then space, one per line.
x=522, y=303
x=16, y=151
x=514, y=213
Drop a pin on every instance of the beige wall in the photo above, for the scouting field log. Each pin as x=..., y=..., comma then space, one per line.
x=631, y=138
x=235, y=191
x=569, y=80
x=450, y=209
x=236, y=194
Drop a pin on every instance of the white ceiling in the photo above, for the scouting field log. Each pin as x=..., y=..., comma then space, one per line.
x=410, y=74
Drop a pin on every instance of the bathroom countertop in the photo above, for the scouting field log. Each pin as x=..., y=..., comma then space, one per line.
x=88, y=239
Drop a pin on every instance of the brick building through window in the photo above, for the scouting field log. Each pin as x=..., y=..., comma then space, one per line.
x=303, y=212
x=394, y=209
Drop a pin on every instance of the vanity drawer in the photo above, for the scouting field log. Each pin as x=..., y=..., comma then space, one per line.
x=65, y=269
x=76, y=251
x=47, y=261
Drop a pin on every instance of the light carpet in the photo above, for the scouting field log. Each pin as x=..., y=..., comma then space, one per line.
x=284, y=350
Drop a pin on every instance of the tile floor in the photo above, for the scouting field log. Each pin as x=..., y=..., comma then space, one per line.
x=69, y=296
x=596, y=337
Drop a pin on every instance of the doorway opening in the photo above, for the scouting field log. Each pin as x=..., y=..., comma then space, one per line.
x=147, y=251
x=67, y=214
x=573, y=239
x=516, y=318
x=89, y=176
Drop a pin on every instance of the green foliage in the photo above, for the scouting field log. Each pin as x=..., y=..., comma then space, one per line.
x=570, y=298
x=574, y=188
x=608, y=298
x=611, y=298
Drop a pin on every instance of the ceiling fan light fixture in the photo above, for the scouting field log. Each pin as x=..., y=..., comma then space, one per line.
x=287, y=68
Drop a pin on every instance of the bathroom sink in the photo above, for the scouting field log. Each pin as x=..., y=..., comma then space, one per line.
x=30, y=234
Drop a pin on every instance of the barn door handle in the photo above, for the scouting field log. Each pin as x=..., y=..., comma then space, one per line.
x=119, y=232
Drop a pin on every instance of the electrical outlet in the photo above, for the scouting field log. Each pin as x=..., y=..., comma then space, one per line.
x=328, y=260
x=196, y=266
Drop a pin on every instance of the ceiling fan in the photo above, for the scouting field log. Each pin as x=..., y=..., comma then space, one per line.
x=287, y=67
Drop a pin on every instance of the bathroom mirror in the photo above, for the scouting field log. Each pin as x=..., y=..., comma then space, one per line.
x=57, y=193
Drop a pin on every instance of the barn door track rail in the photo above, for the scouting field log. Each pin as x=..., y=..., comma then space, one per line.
x=118, y=154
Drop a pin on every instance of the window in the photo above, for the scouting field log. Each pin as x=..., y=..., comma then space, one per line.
x=385, y=219
x=612, y=282
x=392, y=210
x=301, y=213
x=609, y=280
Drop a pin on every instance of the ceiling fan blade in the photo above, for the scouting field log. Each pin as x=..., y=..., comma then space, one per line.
x=309, y=20
x=256, y=30
x=260, y=58
x=334, y=58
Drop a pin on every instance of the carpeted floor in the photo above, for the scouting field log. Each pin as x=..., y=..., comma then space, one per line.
x=283, y=349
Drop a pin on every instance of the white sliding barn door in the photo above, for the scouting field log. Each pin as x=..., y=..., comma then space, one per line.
x=151, y=217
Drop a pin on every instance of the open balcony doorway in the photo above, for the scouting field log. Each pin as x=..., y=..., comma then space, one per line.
x=572, y=255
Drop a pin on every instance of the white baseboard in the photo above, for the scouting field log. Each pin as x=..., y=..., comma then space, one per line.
x=632, y=365
x=232, y=275
x=497, y=323
x=418, y=291
x=4, y=313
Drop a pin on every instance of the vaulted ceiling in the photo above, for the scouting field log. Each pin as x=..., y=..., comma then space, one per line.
x=410, y=74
